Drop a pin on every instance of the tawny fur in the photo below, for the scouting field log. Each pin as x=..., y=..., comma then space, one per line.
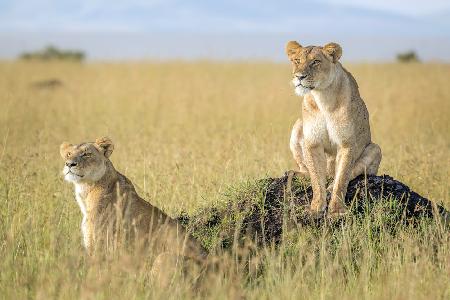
x=334, y=137
x=112, y=208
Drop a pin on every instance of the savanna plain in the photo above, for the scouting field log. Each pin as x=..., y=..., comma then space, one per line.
x=185, y=133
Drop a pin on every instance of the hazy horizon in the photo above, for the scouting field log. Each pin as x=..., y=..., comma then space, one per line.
x=231, y=30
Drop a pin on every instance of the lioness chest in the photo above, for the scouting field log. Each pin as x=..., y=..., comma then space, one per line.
x=326, y=125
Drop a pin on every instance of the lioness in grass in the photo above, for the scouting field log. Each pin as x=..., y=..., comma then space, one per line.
x=334, y=137
x=110, y=205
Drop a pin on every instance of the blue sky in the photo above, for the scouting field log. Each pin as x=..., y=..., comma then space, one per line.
x=200, y=15
x=27, y=24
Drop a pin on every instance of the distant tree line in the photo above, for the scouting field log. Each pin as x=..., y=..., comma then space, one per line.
x=52, y=53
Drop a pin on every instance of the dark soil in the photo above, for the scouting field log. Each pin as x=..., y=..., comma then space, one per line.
x=261, y=210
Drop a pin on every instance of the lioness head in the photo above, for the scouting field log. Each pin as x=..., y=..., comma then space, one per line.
x=86, y=162
x=314, y=66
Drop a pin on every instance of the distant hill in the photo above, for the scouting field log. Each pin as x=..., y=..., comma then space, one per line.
x=222, y=46
x=232, y=16
x=233, y=29
x=442, y=19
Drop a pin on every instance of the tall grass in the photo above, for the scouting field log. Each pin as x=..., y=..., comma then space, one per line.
x=184, y=132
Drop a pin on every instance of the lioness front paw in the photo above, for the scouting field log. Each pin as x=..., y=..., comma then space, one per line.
x=293, y=173
x=337, y=208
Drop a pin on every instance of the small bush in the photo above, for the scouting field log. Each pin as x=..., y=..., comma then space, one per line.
x=52, y=53
x=408, y=57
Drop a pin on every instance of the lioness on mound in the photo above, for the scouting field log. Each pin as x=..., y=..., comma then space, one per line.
x=334, y=138
x=110, y=205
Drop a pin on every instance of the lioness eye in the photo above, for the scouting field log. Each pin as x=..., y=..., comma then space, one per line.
x=316, y=62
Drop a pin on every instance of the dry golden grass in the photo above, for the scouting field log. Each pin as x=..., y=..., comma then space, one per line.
x=183, y=133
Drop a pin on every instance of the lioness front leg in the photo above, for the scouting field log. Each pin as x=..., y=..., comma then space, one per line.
x=344, y=160
x=316, y=163
x=295, y=144
x=87, y=228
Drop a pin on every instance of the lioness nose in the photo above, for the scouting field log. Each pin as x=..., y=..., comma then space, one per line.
x=301, y=77
x=71, y=164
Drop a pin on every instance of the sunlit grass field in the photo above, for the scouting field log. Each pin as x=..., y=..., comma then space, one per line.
x=184, y=133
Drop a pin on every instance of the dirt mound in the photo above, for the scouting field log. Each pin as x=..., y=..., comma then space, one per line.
x=260, y=210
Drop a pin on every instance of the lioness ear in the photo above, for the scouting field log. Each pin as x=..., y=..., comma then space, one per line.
x=333, y=51
x=63, y=149
x=292, y=48
x=105, y=146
